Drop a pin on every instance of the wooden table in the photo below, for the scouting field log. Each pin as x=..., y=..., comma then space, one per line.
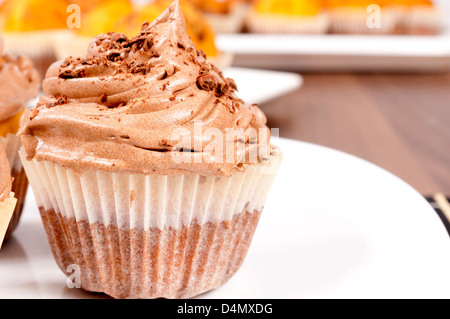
x=399, y=122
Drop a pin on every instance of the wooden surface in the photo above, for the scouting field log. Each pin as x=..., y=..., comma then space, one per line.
x=399, y=122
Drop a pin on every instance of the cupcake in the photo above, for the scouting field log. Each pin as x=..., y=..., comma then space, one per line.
x=287, y=16
x=7, y=200
x=29, y=27
x=354, y=17
x=19, y=84
x=417, y=17
x=125, y=155
x=226, y=16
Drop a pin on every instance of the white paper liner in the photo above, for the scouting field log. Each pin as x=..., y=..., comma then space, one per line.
x=136, y=200
x=354, y=21
x=267, y=23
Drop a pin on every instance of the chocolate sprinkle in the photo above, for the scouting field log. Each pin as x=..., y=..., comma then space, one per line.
x=207, y=82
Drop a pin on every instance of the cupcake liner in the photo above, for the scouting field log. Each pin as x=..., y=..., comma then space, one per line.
x=150, y=236
x=6, y=212
x=232, y=22
x=268, y=23
x=354, y=21
x=19, y=188
x=12, y=145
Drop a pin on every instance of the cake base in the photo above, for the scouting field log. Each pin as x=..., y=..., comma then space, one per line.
x=151, y=263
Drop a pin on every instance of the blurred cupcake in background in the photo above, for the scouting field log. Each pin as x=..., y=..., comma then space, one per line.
x=121, y=16
x=355, y=17
x=19, y=83
x=7, y=200
x=226, y=16
x=29, y=26
x=287, y=16
x=417, y=17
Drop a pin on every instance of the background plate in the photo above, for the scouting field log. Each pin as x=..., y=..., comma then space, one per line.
x=259, y=86
x=339, y=52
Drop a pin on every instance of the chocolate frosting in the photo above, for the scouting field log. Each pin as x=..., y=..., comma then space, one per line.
x=130, y=104
x=5, y=175
x=19, y=83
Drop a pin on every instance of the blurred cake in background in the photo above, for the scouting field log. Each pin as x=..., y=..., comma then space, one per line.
x=358, y=17
x=287, y=16
x=121, y=16
x=28, y=27
x=225, y=16
x=417, y=17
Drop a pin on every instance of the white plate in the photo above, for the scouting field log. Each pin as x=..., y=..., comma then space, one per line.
x=339, y=52
x=335, y=226
x=259, y=86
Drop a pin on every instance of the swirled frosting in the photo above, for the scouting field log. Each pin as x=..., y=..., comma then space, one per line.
x=19, y=83
x=5, y=175
x=130, y=104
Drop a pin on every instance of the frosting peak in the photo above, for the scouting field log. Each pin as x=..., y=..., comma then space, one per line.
x=131, y=103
